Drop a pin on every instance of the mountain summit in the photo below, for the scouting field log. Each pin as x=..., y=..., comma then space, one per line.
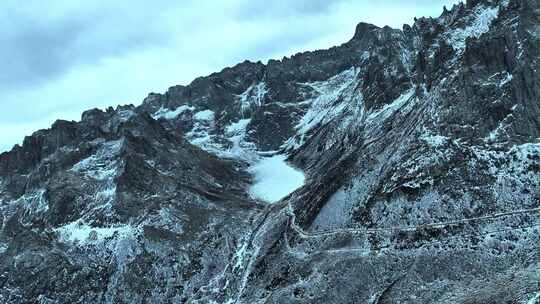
x=402, y=166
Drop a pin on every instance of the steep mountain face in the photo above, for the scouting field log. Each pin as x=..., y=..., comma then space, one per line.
x=421, y=154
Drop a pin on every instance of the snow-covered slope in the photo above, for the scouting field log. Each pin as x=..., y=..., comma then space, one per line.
x=400, y=167
x=274, y=179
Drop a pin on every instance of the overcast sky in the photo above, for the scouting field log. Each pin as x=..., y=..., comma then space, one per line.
x=61, y=57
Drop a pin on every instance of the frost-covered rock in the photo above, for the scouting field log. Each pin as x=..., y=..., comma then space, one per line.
x=402, y=167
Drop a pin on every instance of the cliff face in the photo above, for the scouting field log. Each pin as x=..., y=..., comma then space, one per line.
x=421, y=154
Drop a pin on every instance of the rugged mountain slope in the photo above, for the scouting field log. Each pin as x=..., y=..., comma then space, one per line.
x=422, y=160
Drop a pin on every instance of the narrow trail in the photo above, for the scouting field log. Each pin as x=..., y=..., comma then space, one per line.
x=306, y=234
x=289, y=211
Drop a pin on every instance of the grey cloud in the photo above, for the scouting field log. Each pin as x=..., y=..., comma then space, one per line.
x=38, y=46
x=33, y=52
x=41, y=44
x=283, y=8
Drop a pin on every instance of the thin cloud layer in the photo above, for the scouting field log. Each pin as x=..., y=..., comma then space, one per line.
x=62, y=57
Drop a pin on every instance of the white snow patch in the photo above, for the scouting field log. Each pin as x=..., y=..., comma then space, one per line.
x=239, y=255
x=102, y=165
x=106, y=193
x=434, y=140
x=200, y=134
x=482, y=19
x=274, y=179
x=206, y=115
x=79, y=232
x=171, y=114
x=237, y=128
x=236, y=134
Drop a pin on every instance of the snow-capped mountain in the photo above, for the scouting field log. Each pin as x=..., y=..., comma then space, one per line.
x=400, y=167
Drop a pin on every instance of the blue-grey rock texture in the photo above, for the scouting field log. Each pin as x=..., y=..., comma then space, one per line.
x=420, y=147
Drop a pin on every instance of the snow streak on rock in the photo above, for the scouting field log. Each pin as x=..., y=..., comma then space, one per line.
x=236, y=133
x=200, y=135
x=389, y=109
x=102, y=165
x=253, y=97
x=333, y=98
x=82, y=234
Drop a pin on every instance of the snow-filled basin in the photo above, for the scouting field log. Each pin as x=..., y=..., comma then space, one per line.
x=274, y=179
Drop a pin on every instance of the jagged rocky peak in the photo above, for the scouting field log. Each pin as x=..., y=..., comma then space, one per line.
x=402, y=165
x=364, y=29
